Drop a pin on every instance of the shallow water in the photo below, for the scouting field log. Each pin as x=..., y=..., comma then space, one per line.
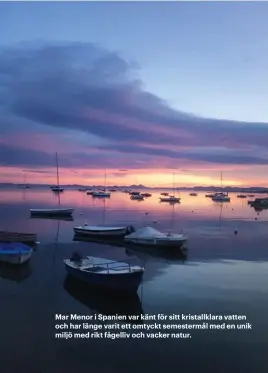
x=223, y=273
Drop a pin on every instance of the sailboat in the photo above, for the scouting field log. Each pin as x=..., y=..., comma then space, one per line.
x=57, y=211
x=169, y=198
x=220, y=196
x=24, y=185
x=57, y=188
x=102, y=193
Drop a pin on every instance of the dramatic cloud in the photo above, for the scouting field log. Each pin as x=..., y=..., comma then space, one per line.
x=91, y=105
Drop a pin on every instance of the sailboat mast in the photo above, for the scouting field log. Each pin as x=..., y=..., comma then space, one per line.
x=105, y=180
x=57, y=169
x=221, y=179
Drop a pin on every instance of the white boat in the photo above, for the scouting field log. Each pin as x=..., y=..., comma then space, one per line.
x=104, y=231
x=57, y=211
x=168, y=198
x=52, y=212
x=15, y=253
x=137, y=197
x=104, y=273
x=221, y=198
x=151, y=237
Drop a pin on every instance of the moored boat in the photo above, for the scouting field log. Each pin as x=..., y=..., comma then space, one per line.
x=137, y=197
x=151, y=237
x=52, y=212
x=241, y=196
x=193, y=194
x=103, y=273
x=146, y=194
x=101, y=194
x=104, y=231
x=221, y=198
x=15, y=253
x=170, y=199
x=6, y=236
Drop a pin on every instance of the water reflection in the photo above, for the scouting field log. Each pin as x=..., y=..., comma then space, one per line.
x=102, y=301
x=15, y=273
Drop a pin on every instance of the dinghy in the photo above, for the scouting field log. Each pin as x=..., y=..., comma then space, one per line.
x=51, y=212
x=137, y=197
x=146, y=194
x=151, y=237
x=103, y=231
x=241, y=196
x=17, y=237
x=104, y=273
x=15, y=253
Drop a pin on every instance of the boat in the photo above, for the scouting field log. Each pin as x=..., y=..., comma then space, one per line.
x=29, y=238
x=241, y=196
x=52, y=212
x=82, y=189
x=134, y=193
x=15, y=253
x=164, y=194
x=259, y=202
x=149, y=236
x=137, y=197
x=57, y=211
x=100, y=194
x=146, y=194
x=210, y=195
x=90, y=192
x=24, y=185
x=193, y=194
x=221, y=196
x=103, y=273
x=103, y=231
x=169, y=198
x=104, y=302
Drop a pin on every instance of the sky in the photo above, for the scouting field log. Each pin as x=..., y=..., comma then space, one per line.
x=143, y=90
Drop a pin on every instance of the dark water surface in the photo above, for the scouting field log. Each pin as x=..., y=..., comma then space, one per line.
x=224, y=273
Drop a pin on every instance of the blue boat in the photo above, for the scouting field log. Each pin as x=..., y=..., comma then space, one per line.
x=104, y=273
x=15, y=253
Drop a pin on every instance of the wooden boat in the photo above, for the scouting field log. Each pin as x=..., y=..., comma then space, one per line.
x=6, y=236
x=151, y=237
x=103, y=231
x=104, y=273
x=137, y=197
x=15, y=253
x=52, y=212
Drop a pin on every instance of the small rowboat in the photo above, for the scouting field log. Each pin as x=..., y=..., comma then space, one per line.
x=15, y=253
x=17, y=237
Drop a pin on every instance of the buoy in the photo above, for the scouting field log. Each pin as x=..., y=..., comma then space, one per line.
x=146, y=213
x=255, y=218
x=235, y=231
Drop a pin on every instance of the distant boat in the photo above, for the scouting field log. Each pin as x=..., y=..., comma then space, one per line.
x=24, y=185
x=104, y=273
x=15, y=253
x=138, y=197
x=251, y=195
x=164, y=194
x=29, y=238
x=146, y=194
x=57, y=188
x=169, y=198
x=134, y=193
x=241, y=196
x=82, y=189
x=104, y=231
x=102, y=193
x=220, y=196
x=52, y=212
x=193, y=194
x=151, y=237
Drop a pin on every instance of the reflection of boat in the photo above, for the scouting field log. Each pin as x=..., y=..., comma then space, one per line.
x=15, y=253
x=112, y=241
x=137, y=197
x=143, y=254
x=104, y=231
x=153, y=238
x=103, y=302
x=104, y=273
x=53, y=217
x=15, y=273
x=17, y=237
x=52, y=212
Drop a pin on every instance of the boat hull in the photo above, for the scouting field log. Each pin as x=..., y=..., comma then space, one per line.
x=115, y=282
x=15, y=258
x=51, y=212
x=101, y=233
x=170, y=199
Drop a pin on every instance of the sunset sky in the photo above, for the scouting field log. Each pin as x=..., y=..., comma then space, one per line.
x=143, y=90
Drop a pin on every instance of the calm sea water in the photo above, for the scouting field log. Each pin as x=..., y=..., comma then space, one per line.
x=223, y=273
